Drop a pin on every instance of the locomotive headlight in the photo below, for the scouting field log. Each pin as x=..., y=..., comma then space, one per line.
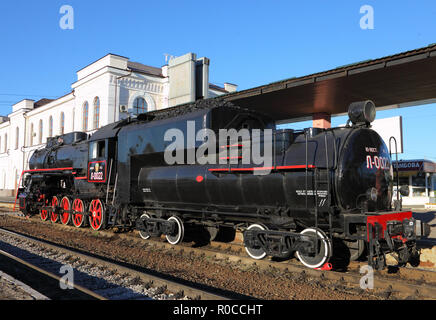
x=362, y=112
x=371, y=194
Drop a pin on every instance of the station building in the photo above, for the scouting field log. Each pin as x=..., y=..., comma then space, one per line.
x=420, y=176
x=107, y=90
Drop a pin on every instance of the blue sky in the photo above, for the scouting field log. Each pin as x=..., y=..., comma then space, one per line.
x=250, y=43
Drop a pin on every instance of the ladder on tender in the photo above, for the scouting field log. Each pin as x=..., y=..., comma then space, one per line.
x=317, y=181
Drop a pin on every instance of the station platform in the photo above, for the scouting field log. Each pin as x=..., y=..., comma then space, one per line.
x=13, y=289
x=7, y=202
x=7, y=199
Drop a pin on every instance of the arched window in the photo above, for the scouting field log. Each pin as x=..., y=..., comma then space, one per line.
x=85, y=116
x=50, y=126
x=17, y=137
x=96, y=112
x=139, y=105
x=40, y=132
x=62, y=123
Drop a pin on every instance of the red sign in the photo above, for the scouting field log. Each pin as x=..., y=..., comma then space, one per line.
x=97, y=171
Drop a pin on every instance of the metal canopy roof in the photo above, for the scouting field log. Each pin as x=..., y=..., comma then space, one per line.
x=399, y=80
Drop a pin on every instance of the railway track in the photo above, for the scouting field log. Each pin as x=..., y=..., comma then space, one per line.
x=385, y=285
x=41, y=261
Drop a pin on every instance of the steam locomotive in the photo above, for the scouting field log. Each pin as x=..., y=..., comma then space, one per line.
x=314, y=189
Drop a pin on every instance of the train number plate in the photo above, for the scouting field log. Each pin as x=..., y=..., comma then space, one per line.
x=97, y=171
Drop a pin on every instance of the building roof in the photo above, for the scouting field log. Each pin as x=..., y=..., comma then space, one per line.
x=112, y=54
x=218, y=88
x=42, y=102
x=142, y=68
x=401, y=79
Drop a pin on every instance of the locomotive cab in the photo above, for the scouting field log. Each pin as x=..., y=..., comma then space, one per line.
x=100, y=159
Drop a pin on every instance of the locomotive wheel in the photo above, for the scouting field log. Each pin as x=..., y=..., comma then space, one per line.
x=179, y=233
x=78, y=219
x=43, y=213
x=256, y=252
x=356, y=248
x=324, y=249
x=65, y=216
x=54, y=217
x=144, y=235
x=97, y=215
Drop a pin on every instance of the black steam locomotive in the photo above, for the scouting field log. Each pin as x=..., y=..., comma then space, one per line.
x=316, y=187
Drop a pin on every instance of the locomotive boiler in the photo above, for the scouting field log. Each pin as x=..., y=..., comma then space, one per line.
x=313, y=189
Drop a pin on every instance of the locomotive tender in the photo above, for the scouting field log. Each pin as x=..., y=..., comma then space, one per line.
x=325, y=186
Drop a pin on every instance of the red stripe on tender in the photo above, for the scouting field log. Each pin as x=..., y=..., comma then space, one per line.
x=80, y=178
x=252, y=169
x=303, y=166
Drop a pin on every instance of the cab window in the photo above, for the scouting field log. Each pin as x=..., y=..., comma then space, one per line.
x=97, y=149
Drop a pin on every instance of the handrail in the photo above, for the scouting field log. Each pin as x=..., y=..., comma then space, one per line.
x=396, y=169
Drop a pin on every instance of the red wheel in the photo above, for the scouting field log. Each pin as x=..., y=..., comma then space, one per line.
x=65, y=216
x=78, y=219
x=97, y=216
x=54, y=217
x=43, y=214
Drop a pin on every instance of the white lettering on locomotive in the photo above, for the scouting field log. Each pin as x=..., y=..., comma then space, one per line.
x=377, y=162
x=370, y=149
x=97, y=176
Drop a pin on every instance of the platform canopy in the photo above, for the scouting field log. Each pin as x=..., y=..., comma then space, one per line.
x=400, y=80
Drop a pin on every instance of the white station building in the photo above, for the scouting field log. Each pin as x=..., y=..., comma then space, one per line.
x=107, y=90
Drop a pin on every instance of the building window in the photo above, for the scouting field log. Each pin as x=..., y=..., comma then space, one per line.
x=96, y=112
x=85, y=116
x=139, y=106
x=40, y=132
x=6, y=142
x=50, y=126
x=62, y=123
x=17, y=137
x=0, y=144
